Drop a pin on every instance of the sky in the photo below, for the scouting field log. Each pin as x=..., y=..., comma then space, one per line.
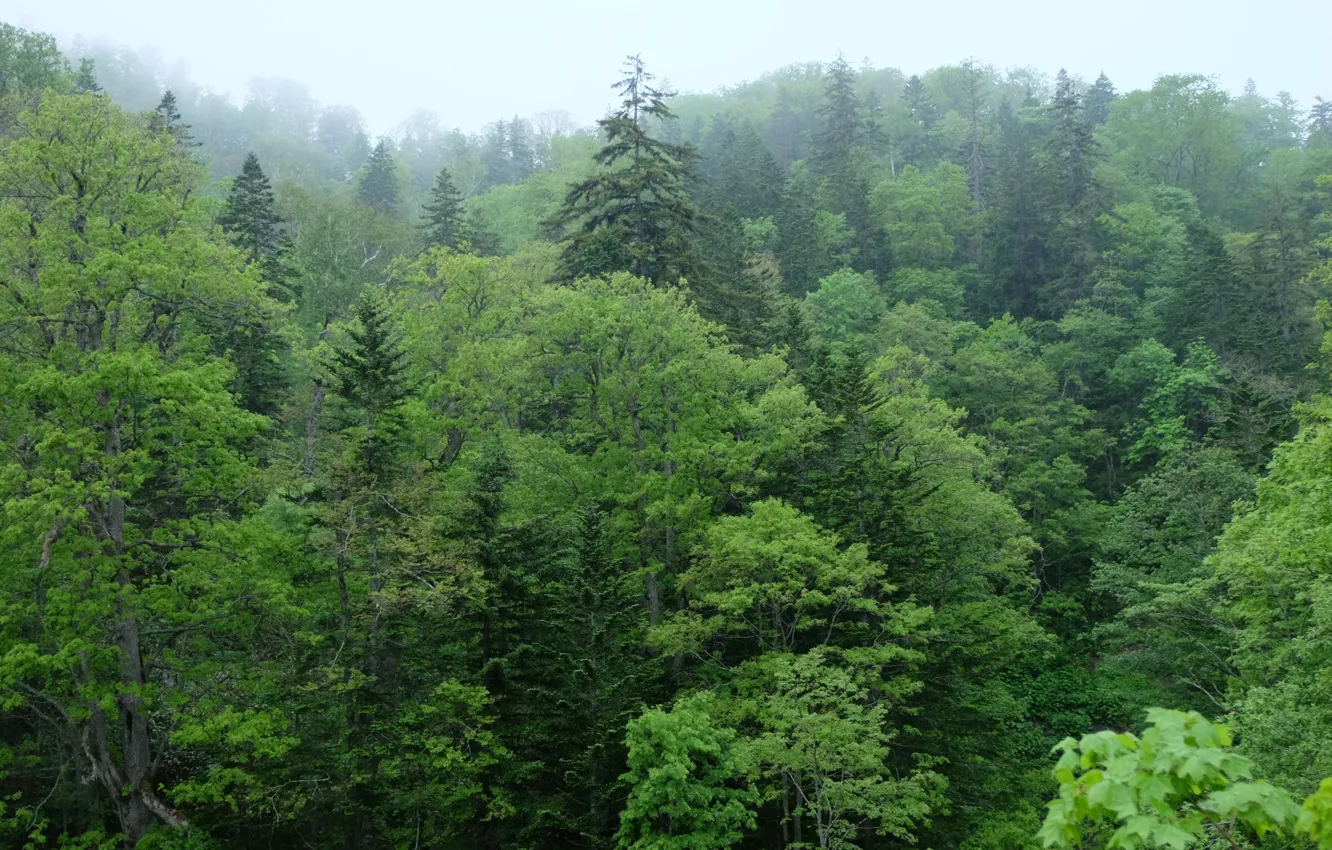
x=477, y=61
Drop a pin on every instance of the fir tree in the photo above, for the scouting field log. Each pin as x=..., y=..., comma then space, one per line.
x=379, y=187
x=917, y=140
x=799, y=248
x=635, y=213
x=520, y=156
x=727, y=292
x=370, y=374
x=86, y=81
x=875, y=129
x=252, y=224
x=1070, y=199
x=837, y=139
x=165, y=118
x=251, y=221
x=1320, y=123
x=1098, y=100
x=445, y=224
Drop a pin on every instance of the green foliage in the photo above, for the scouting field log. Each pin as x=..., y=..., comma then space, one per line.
x=884, y=430
x=378, y=188
x=635, y=213
x=1174, y=786
x=687, y=786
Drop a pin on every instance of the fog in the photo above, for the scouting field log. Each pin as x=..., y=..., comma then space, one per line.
x=472, y=63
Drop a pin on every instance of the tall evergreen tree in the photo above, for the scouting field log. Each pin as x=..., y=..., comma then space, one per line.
x=1098, y=99
x=379, y=186
x=838, y=150
x=635, y=214
x=251, y=222
x=519, y=151
x=918, y=140
x=1320, y=123
x=727, y=292
x=166, y=118
x=841, y=131
x=1070, y=200
x=85, y=82
x=445, y=224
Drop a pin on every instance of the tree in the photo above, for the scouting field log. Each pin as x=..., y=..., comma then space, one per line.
x=1098, y=99
x=1070, y=203
x=1178, y=785
x=445, y=225
x=166, y=119
x=86, y=81
x=1320, y=123
x=251, y=221
x=379, y=185
x=842, y=129
x=30, y=62
x=125, y=519
x=635, y=214
x=687, y=789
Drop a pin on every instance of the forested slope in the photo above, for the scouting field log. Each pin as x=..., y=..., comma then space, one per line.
x=792, y=466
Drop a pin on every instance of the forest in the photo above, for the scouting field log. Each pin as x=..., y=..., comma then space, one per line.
x=841, y=459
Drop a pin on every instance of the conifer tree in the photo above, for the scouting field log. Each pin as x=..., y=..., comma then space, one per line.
x=165, y=118
x=86, y=81
x=251, y=221
x=518, y=151
x=252, y=224
x=635, y=214
x=445, y=224
x=836, y=140
x=875, y=129
x=1070, y=199
x=379, y=186
x=727, y=292
x=1320, y=123
x=482, y=240
x=917, y=142
x=1098, y=99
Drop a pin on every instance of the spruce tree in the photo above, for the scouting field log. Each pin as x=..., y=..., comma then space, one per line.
x=635, y=214
x=726, y=291
x=917, y=140
x=1070, y=201
x=445, y=224
x=1320, y=123
x=251, y=223
x=370, y=374
x=875, y=129
x=482, y=240
x=518, y=151
x=85, y=82
x=1098, y=100
x=379, y=186
x=165, y=118
x=841, y=133
x=838, y=147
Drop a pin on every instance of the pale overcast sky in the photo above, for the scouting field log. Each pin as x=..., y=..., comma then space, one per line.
x=475, y=61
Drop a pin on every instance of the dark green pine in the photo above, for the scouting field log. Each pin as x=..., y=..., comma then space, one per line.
x=85, y=82
x=635, y=214
x=445, y=224
x=251, y=223
x=1098, y=99
x=379, y=186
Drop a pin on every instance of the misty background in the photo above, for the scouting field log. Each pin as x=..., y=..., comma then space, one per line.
x=473, y=63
